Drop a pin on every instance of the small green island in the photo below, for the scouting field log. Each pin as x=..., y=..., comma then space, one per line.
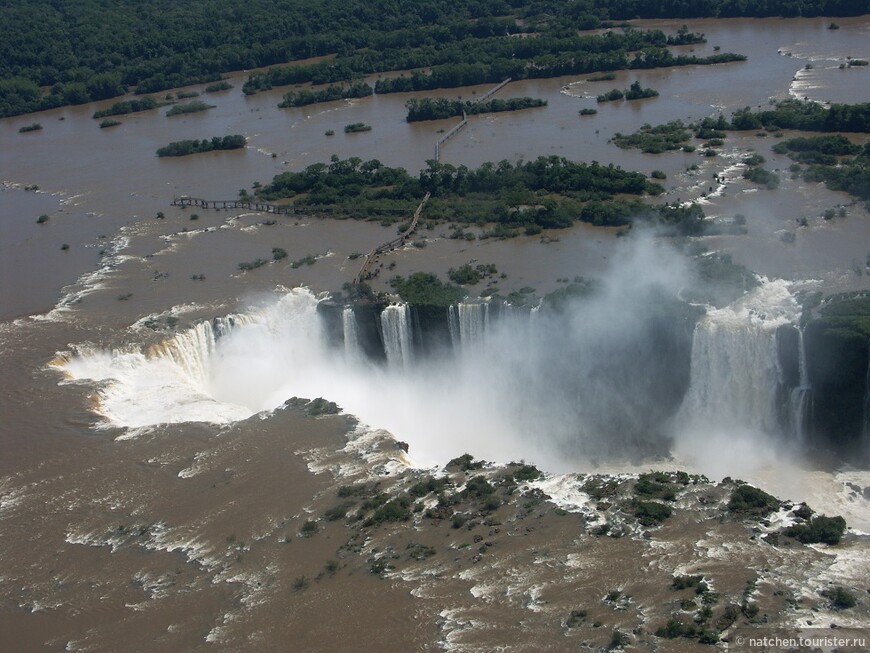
x=191, y=107
x=356, y=127
x=186, y=147
x=329, y=94
x=222, y=85
x=128, y=106
x=440, y=108
x=634, y=92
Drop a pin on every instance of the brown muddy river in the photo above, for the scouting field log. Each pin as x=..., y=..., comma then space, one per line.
x=218, y=501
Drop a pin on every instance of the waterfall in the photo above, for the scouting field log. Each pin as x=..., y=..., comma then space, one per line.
x=473, y=321
x=352, y=351
x=190, y=350
x=396, y=332
x=800, y=399
x=453, y=326
x=468, y=321
x=734, y=371
x=216, y=371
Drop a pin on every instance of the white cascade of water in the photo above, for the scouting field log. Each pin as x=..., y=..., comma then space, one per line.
x=453, y=327
x=472, y=321
x=801, y=395
x=190, y=350
x=396, y=333
x=216, y=371
x=734, y=370
x=352, y=350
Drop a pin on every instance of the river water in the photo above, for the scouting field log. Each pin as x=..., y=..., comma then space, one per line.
x=103, y=188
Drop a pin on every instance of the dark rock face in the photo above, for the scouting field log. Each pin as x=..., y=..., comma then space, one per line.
x=431, y=331
x=368, y=327
x=837, y=365
x=367, y=323
x=837, y=344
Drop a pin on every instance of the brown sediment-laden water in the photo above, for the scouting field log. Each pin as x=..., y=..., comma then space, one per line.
x=156, y=492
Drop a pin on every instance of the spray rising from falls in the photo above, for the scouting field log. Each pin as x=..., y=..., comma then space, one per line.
x=612, y=373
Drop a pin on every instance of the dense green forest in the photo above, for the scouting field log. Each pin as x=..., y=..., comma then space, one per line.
x=56, y=53
x=547, y=193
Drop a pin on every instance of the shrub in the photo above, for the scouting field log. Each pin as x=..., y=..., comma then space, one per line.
x=309, y=528
x=478, y=487
x=828, y=530
x=42, y=219
x=338, y=512
x=684, y=582
x=33, y=127
x=618, y=639
x=576, y=618
x=465, y=462
x=655, y=485
x=392, y=511
x=751, y=500
x=527, y=473
x=651, y=513
x=841, y=598
x=674, y=629
x=300, y=583
x=803, y=511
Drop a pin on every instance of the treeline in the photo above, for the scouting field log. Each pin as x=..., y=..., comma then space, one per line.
x=439, y=108
x=570, y=63
x=502, y=57
x=806, y=116
x=98, y=49
x=526, y=197
x=129, y=106
x=330, y=93
x=183, y=148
